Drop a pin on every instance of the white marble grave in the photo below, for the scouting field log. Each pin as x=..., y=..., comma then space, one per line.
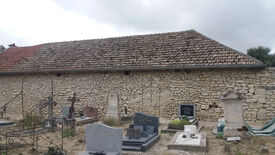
x=184, y=140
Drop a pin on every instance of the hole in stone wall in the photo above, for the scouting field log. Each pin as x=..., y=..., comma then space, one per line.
x=213, y=105
x=58, y=74
x=187, y=71
x=126, y=73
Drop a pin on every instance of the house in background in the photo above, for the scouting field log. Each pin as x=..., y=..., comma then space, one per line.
x=152, y=73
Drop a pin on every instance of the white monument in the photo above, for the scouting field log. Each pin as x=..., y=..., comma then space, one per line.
x=113, y=102
x=233, y=113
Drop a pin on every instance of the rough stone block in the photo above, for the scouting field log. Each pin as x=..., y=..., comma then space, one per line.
x=260, y=91
x=261, y=100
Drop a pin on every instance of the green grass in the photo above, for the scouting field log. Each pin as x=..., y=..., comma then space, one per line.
x=68, y=133
x=179, y=122
x=31, y=120
x=108, y=121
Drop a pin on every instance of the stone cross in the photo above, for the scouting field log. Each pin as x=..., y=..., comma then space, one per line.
x=72, y=100
x=50, y=104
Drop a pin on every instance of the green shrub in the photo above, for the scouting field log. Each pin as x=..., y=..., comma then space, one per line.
x=68, y=133
x=31, y=120
x=108, y=121
x=54, y=151
x=183, y=121
x=220, y=135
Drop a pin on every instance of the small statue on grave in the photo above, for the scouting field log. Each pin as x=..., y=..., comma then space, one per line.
x=133, y=133
x=130, y=131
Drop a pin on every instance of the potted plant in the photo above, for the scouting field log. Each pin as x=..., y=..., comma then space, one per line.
x=178, y=124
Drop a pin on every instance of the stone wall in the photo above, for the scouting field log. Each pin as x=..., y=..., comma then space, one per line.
x=152, y=92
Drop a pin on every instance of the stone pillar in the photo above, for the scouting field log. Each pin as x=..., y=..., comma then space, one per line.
x=233, y=114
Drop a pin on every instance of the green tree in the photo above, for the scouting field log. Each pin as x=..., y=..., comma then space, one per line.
x=262, y=53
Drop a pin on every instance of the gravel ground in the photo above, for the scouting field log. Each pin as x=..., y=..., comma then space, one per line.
x=73, y=145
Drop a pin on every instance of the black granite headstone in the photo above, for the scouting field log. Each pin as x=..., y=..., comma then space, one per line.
x=187, y=110
x=145, y=120
x=142, y=134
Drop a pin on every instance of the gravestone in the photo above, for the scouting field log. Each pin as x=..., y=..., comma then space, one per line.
x=89, y=115
x=188, y=111
x=113, y=102
x=65, y=110
x=143, y=120
x=185, y=110
x=142, y=134
x=233, y=114
x=90, y=112
x=102, y=138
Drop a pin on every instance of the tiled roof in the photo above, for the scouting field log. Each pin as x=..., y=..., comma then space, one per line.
x=174, y=50
x=13, y=56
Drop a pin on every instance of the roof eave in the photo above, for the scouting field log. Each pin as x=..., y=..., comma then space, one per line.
x=154, y=68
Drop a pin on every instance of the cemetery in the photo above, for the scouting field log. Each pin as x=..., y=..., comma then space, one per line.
x=144, y=134
x=170, y=93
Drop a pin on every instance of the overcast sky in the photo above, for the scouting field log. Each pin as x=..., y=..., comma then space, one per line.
x=240, y=24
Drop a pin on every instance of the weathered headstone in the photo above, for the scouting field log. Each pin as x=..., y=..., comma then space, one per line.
x=233, y=114
x=89, y=116
x=113, y=103
x=102, y=138
x=90, y=112
x=65, y=110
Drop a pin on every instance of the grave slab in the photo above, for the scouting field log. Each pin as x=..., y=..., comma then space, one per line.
x=188, y=144
x=4, y=123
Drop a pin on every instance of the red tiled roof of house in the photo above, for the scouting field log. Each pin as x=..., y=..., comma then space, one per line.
x=14, y=55
x=173, y=50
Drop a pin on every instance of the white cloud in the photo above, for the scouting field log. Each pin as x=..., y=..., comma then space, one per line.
x=238, y=24
x=44, y=21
